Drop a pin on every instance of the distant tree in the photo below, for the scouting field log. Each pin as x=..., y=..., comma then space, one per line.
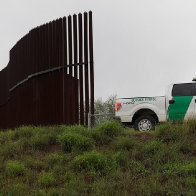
x=105, y=107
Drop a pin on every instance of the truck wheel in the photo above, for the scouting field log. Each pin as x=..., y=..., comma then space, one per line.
x=145, y=123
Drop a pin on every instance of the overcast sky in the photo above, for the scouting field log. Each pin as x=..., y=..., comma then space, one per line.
x=140, y=46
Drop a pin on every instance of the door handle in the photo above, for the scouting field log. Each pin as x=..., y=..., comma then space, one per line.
x=172, y=101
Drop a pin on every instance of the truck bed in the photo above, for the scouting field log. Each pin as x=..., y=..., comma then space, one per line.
x=129, y=106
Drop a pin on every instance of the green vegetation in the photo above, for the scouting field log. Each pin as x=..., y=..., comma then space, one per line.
x=106, y=160
x=15, y=168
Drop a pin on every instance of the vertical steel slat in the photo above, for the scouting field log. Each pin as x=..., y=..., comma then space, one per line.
x=75, y=40
x=60, y=55
x=54, y=43
x=19, y=113
x=41, y=48
x=64, y=62
x=44, y=64
x=70, y=48
x=48, y=35
x=91, y=59
x=35, y=70
x=75, y=35
x=50, y=45
x=86, y=67
x=81, y=86
x=32, y=59
x=53, y=74
x=60, y=41
x=70, y=43
x=65, y=40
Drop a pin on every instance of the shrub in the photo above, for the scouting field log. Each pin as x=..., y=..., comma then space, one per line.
x=15, y=168
x=55, y=158
x=76, y=129
x=43, y=137
x=110, y=128
x=25, y=132
x=187, y=146
x=39, y=142
x=191, y=128
x=170, y=133
x=6, y=136
x=137, y=167
x=11, y=150
x=189, y=169
x=91, y=161
x=191, y=181
x=18, y=189
x=104, y=132
x=74, y=141
x=125, y=144
x=180, y=169
x=33, y=163
x=46, y=180
x=153, y=147
x=100, y=138
x=120, y=159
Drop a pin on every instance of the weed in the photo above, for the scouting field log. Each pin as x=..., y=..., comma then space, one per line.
x=189, y=169
x=120, y=159
x=123, y=162
x=55, y=159
x=24, y=132
x=99, y=138
x=191, y=128
x=11, y=150
x=187, y=147
x=39, y=142
x=110, y=128
x=32, y=163
x=46, y=180
x=6, y=136
x=76, y=129
x=170, y=133
x=152, y=147
x=125, y=144
x=74, y=141
x=137, y=167
x=18, y=189
x=91, y=161
x=180, y=169
x=104, y=133
x=191, y=181
x=15, y=168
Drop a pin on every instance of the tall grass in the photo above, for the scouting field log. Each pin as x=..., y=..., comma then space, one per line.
x=107, y=160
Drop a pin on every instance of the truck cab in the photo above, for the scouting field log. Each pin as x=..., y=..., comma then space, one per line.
x=181, y=102
x=143, y=113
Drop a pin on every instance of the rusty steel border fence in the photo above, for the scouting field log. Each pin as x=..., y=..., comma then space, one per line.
x=49, y=79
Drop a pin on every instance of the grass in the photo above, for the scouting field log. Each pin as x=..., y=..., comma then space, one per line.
x=107, y=160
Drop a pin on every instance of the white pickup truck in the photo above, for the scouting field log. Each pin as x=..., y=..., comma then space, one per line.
x=143, y=113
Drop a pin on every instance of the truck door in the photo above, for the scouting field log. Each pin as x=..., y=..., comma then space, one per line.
x=194, y=97
x=182, y=105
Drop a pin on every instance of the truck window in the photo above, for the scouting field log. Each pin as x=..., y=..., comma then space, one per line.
x=194, y=89
x=182, y=89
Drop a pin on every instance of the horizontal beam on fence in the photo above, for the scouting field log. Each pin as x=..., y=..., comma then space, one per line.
x=44, y=72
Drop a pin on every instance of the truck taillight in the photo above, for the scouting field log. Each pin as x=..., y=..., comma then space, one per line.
x=118, y=106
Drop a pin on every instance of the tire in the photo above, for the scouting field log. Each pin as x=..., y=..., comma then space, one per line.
x=145, y=123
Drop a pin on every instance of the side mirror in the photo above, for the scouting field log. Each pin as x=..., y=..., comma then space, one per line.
x=171, y=101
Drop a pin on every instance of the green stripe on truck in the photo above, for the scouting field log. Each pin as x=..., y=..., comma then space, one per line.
x=178, y=110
